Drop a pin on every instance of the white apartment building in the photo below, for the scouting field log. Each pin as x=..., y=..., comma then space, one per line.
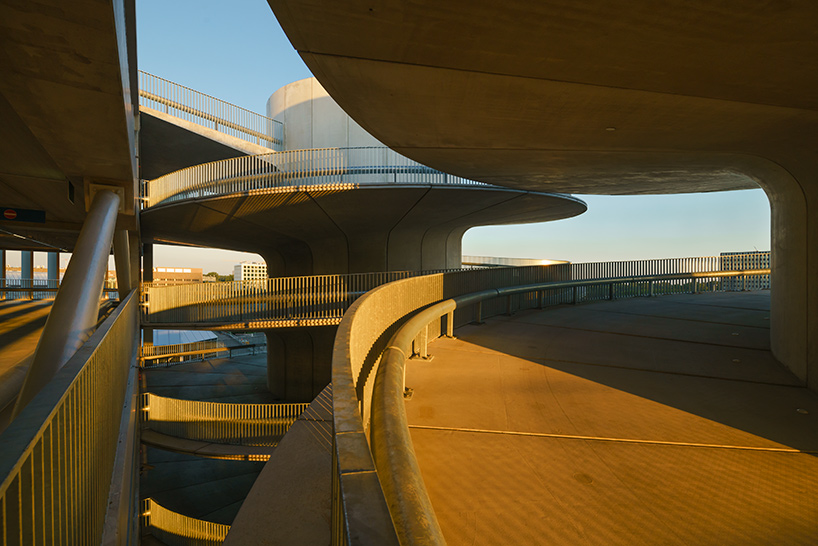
x=250, y=271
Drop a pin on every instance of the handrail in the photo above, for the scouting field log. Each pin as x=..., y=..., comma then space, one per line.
x=349, y=167
x=320, y=299
x=58, y=454
x=187, y=103
x=176, y=529
x=399, y=489
x=220, y=422
x=323, y=299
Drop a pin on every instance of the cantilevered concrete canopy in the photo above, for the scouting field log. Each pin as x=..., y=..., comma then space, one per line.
x=66, y=113
x=644, y=97
x=307, y=230
x=597, y=97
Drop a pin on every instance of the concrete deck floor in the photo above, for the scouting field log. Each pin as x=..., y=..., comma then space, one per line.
x=21, y=323
x=198, y=487
x=642, y=421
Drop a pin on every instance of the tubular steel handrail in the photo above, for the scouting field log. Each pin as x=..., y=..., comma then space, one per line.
x=219, y=422
x=386, y=474
x=186, y=103
x=176, y=529
x=58, y=454
x=336, y=168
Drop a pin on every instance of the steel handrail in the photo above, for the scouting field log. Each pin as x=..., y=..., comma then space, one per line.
x=201, y=106
x=311, y=167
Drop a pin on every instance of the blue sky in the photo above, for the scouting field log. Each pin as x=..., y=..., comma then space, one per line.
x=237, y=52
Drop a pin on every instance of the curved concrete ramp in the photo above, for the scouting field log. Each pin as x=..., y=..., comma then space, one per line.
x=306, y=230
x=643, y=421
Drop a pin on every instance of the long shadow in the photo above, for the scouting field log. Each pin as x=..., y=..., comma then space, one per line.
x=781, y=411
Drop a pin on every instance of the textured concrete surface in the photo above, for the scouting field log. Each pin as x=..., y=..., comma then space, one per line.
x=312, y=230
x=169, y=143
x=610, y=98
x=644, y=421
x=202, y=488
x=195, y=486
x=290, y=502
x=66, y=114
x=21, y=323
x=242, y=379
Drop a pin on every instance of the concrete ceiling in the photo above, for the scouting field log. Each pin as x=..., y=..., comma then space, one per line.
x=66, y=114
x=168, y=143
x=305, y=230
x=587, y=97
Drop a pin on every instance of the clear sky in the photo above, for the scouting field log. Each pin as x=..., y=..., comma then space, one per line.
x=237, y=52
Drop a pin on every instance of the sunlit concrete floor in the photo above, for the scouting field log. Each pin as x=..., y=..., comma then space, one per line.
x=643, y=421
x=21, y=323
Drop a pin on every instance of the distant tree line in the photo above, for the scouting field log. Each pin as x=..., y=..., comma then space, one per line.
x=220, y=278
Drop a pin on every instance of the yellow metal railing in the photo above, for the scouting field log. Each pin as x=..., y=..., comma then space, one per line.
x=57, y=456
x=175, y=529
x=242, y=424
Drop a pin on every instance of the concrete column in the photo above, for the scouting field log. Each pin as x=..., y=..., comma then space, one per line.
x=134, y=246
x=53, y=269
x=147, y=276
x=299, y=361
x=27, y=271
x=793, y=195
x=3, y=274
x=122, y=259
x=76, y=307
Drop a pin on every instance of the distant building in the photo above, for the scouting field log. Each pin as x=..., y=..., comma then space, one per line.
x=742, y=261
x=209, y=278
x=250, y=271
x=176, y=275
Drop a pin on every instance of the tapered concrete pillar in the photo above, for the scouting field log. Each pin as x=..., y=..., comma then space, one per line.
x=122, y=259
x=53, y=269
x=299, y=361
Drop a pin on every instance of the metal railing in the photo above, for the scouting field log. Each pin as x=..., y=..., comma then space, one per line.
x=283, y=301
x=391, y=505
x=323, y=299
x=58, y=455
x=38, y=289
x=157, y=355
x=175, y=529
x=332, y=167
x=218, y=422
x=191, y=105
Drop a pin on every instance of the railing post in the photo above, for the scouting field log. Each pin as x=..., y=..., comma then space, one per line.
x=540, y=299
x=450, y=324
x=651, y=289
x=574, y=295
x=508, y=306
x=611, y=291
x=478, y=312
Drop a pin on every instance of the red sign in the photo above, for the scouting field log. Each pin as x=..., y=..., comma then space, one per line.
x=10, y=214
